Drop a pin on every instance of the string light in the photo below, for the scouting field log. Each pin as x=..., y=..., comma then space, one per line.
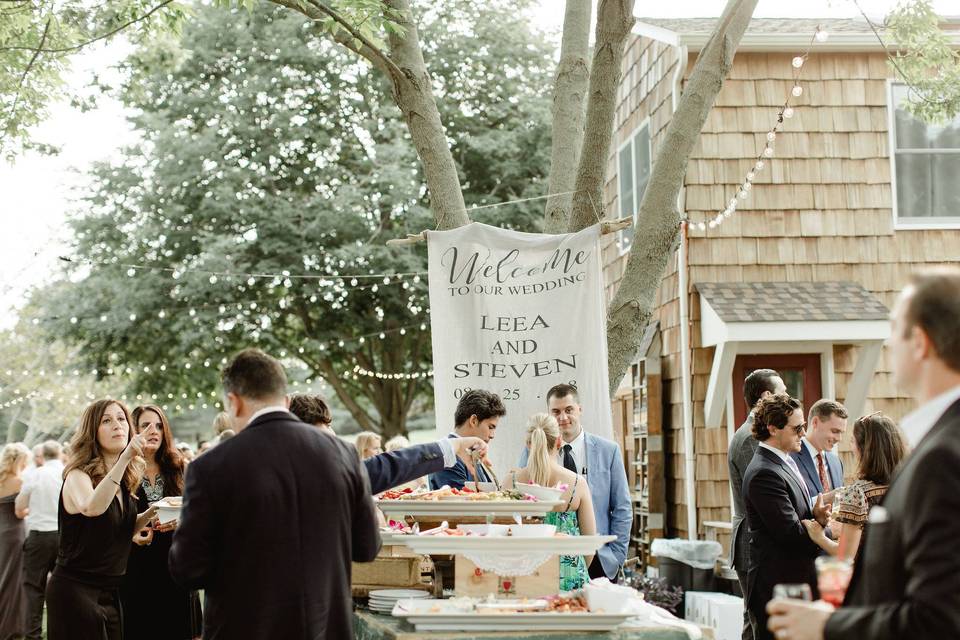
x=360, y=371
x=786, y=111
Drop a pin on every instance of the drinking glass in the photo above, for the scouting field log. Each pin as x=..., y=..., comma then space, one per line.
x=800, y=591
x=833, y=578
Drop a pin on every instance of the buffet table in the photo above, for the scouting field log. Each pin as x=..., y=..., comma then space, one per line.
x=371, y=626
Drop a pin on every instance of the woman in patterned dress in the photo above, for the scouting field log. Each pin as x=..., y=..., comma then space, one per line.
x=153, y=605
x=880, y=447
x=574, y=516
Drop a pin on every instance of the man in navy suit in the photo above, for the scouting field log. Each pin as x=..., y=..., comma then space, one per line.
x=477, y=415
x=819, y=465
x=777, y=502
x=600, y=462
x=392, y=468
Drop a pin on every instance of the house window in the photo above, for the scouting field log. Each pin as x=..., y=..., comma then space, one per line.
x=925, y=164
x=633, y=171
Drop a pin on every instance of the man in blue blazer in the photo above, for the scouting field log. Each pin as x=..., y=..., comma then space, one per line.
x=477, y=415
x=392, y=468
x=820, y=467
x=600, y=462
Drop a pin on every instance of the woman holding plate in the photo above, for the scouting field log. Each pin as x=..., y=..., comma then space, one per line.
x=153, y=605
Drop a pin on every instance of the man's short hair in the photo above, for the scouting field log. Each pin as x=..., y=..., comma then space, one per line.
x=773, y=411
x=51, y=450
x=562, y=391
x=755, y=384
x=310, y=408
x=824, y=409
x=934, y=306
x=478, y=402
x=255, y=375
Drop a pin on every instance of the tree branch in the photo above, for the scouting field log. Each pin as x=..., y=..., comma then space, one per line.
x=659, y=216
x=23, y=80
x=569, y=96
x=81, y=45
x=614, y=21
x=367, y=43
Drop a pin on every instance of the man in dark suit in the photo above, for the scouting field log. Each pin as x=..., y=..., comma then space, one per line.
x=906, y=584
x=820, y=467
x=272, y=518
x=777, y=501
x=761, y=383
x=477, y=415
x=392, y=468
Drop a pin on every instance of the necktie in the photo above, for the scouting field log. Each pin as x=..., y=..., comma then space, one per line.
x=824, y=476
x=568, y=461
x=796, y=473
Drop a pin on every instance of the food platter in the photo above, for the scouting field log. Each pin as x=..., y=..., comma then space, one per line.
x=558, y=545
x=168, y=509
x=444, y=615
x=465, y=507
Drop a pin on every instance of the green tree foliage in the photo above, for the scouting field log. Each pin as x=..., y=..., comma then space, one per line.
x=268, y=149
x=37, y=40
x=925, y=60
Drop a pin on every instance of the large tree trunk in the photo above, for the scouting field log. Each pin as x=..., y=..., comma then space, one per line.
x=658, y=223
x=569, y=94
x=415, y=98
x=614, y=21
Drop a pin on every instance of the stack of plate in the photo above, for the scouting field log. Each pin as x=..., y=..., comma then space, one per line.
x=382, y=600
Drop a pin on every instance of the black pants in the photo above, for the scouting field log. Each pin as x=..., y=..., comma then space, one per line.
x=39, y=557
x=595, y=570
x=749, y=621
x=80, y=611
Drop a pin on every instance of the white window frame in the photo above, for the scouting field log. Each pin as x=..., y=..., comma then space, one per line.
x=908, y=223
x=633, y=176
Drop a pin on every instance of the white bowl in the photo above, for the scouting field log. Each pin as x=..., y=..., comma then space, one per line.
x=489, y=530
x=484, y=486
x=532, y=530
x=167, y=513
x=545, y=494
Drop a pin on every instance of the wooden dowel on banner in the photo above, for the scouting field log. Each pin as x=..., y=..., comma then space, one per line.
x=611, y=226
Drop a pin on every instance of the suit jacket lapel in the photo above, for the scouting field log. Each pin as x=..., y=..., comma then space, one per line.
x=593, y=461
x=799, y=494
x=806, y=463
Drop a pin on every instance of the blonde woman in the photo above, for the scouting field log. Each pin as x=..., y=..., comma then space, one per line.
x=98, y=517
x=13, y=460
x=368, y=444
x=574, y=516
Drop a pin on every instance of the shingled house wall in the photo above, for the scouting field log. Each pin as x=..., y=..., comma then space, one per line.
x=820, y=211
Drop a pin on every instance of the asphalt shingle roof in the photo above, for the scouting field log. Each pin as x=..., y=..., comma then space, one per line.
x=791, y=301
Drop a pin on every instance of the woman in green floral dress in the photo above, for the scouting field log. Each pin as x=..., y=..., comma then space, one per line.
x=574, y=516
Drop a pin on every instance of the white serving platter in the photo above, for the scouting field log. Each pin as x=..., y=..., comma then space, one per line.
x=562, y=545
x=466, y=507
x=425, y=617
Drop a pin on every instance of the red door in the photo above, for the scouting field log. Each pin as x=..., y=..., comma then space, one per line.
x=800, y=372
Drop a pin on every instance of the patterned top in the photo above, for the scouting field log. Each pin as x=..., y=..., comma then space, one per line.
x=852, y=502
x=154, y=491
x=573, y=569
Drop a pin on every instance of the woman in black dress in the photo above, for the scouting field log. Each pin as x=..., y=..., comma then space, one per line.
x=154, y=607
x=98, y=517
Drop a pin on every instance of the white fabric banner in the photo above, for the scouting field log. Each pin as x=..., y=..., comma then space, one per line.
x=516, y=313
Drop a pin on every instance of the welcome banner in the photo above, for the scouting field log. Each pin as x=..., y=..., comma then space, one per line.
x=516, y=313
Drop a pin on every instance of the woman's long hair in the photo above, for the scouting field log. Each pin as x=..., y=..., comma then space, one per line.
x=882, y=447
x=85, y=453
x=542, y=434
x=12, y=456
x=169, y=458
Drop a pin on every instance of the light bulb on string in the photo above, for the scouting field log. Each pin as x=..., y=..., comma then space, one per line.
x=797, y=91
x=788, y=112
x=821, y=35
x=768, y=152
x=797, y=62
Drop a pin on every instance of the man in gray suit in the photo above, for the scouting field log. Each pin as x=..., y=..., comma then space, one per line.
x=759, y=384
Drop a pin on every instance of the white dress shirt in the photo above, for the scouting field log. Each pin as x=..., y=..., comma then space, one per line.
x=917, y=423
x=41, y=488
x=578, y=449
x=265, y=411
